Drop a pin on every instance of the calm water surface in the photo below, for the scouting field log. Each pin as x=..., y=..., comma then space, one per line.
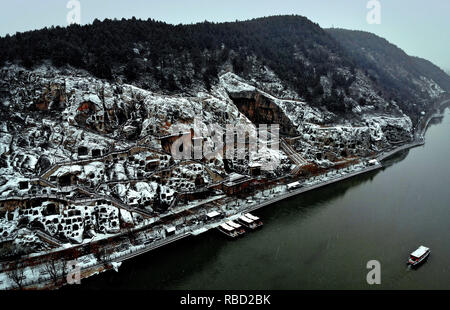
x=322, y=239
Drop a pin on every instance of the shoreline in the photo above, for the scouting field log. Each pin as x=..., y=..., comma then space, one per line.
x=101, y=267
x=263, y=204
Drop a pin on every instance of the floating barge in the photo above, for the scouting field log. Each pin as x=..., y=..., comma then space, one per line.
x=238, y=227
x=233, y=230
x=228, y=230
x=250, y=221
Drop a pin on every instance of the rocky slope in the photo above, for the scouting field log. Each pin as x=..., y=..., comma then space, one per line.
x=85, y=156
x=50, y=114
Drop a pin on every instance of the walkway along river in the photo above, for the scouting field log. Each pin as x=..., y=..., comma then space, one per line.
x=324, y=238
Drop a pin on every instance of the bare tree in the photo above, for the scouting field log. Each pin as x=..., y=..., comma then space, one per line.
x=16, y=274
x=56, y=269
x=102, y=256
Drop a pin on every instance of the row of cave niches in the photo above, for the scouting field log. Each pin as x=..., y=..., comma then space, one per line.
x=72, y=221
x=51, y=208
x=95, y=153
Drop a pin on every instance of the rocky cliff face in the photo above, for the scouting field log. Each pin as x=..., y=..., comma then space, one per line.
x=50, y=115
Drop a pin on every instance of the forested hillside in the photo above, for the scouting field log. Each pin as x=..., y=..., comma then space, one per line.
x=325, y=68
x=391, y=66
x=133, y=48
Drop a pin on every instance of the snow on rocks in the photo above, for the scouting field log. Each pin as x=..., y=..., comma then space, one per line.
x=429, y=86
x=296, y=110
x=126, y=217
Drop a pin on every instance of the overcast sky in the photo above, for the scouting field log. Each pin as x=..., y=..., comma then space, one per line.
x=420, y=28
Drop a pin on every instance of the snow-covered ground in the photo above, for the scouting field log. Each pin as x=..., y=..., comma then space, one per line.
x=76, y=143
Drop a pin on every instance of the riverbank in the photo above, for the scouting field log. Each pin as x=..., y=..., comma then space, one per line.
x=138, y=250
x=323, y=239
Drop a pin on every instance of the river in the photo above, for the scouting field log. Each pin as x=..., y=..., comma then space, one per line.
x=322, y=239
